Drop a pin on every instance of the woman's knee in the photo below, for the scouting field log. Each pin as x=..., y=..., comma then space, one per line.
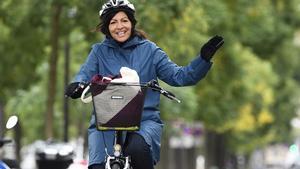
x=136, y=145
x=139, y=151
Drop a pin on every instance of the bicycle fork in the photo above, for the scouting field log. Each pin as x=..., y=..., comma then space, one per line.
x=117, y=158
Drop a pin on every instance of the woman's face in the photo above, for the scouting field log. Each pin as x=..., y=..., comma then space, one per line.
x=120, y=27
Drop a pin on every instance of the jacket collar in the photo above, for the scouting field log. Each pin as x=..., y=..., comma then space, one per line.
x=108, y=41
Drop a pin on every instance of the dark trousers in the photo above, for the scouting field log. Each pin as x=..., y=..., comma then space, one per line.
x=136, y=147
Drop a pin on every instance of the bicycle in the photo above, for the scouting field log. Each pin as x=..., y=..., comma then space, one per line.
x=118, y=160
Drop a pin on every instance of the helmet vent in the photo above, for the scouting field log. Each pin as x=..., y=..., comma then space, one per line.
x=116, y=4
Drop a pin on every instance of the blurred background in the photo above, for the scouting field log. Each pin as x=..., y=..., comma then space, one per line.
x=243, y=115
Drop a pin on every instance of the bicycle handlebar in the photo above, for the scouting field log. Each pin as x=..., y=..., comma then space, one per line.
x=153, y=84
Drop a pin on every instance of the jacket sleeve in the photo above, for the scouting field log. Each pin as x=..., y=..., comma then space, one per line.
x=175, y=75
x=89, y=68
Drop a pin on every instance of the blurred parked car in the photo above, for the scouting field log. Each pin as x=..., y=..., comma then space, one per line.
x=53, y=154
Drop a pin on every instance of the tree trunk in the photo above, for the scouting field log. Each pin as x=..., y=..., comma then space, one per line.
x=56, y=9
x=2, y=121
x=66, y=100
x=215, y=152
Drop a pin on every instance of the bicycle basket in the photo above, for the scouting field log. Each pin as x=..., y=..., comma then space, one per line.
x=118, y=106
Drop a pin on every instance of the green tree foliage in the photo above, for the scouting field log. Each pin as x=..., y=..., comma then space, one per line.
x=249, y=96
x=30, y=105
x=22, y=26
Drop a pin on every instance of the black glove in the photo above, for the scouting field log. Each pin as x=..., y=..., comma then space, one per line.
x=209, y=48
x=75, y=89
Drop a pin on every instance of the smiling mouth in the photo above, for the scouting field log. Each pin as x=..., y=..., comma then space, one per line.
x=120, y=33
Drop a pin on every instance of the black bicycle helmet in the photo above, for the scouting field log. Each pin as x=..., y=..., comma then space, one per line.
x=116, y=4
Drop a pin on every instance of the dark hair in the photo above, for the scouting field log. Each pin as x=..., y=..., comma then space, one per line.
x=105, y=19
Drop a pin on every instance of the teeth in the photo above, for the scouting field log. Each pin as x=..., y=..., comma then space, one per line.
x=121, y=33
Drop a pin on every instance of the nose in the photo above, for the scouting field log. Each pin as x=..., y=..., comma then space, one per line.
x=119, y=25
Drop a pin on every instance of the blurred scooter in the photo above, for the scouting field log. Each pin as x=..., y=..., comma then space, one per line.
x=8, y=163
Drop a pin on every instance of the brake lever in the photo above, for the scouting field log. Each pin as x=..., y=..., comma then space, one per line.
x=153, y=84
x=169, y=95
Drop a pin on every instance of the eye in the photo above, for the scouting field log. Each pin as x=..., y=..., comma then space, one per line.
x=125, y=20
x=112, y=22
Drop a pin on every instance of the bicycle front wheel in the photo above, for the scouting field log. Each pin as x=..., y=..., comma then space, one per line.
x=116, y=166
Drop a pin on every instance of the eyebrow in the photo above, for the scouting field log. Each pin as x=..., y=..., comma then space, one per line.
x=125, y=17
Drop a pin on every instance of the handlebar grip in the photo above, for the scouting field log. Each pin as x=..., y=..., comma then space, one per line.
x=4, y=141
x=85, y=99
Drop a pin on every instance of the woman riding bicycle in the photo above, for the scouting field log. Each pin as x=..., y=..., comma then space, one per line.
x=125, y=46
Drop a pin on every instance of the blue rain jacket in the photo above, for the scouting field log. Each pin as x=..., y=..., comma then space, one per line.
x=150, y=62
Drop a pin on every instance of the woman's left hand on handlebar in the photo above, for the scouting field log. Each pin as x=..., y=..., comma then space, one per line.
x=75, y=89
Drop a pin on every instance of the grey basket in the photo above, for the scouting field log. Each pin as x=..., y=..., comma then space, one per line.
x=118, y=106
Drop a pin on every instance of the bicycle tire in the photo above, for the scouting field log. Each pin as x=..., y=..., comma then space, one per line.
x=116, y=166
